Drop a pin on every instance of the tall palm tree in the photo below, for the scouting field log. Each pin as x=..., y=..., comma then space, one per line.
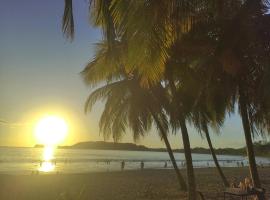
x=126, y=107
x=210, y=108
x=179, y=112
x=243, y=57
x=201, y=118
x=126, y=101
x=244, y=60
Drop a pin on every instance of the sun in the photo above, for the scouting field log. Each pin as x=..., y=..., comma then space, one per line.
x=51, y=130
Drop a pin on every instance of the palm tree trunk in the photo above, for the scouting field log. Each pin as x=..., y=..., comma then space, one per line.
x=250, y=151
x=192, y=194
x=181, y=181
x=212, y=150
x=190, y=171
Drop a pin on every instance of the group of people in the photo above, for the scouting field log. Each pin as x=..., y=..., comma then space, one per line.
x=240, y=164
x=123, y=165
x=141, y=165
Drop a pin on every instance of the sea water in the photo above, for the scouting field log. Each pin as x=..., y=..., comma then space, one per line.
x=34, y=160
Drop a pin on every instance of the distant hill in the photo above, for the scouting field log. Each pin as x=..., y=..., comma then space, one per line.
x=100, y=145
x=260, y=149
x=109, y=146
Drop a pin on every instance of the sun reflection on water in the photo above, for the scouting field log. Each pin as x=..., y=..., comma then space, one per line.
x=48, y=155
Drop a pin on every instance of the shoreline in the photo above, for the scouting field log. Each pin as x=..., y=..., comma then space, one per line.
x=126, y=185
x=227, y=151
x=195, y=150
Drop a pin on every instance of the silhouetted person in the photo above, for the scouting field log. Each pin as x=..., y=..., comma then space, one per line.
x=122, y=165
x=184, y=164
x=142, y=165
x=165, y=165
x=242, y=164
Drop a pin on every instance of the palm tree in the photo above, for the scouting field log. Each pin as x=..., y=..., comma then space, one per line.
x=212, y=150
x=126, y=101
x=179, y=112
x=210, y=108
x=244, y=60
x=132, y=111
x=243, y=57
x=200, y=119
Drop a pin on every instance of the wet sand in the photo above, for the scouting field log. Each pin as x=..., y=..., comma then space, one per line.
x=127, y=185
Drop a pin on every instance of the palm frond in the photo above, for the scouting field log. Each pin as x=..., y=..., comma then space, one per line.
x=68, y=21
x=100, y=16
x=102, y=93
x=106, y=65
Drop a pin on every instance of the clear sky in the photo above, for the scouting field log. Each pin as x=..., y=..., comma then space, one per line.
x=39, y=75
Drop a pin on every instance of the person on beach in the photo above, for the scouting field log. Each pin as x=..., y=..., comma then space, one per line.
x=184, y=164
x=142, y=165
x=165, y=165
x=122, y=165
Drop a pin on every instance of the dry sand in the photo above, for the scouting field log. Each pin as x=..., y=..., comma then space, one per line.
x=127, y=185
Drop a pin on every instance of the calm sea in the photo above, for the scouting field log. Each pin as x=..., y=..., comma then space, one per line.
x=49, y=160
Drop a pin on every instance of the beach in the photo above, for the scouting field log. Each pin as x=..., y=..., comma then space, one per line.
x=128, y=185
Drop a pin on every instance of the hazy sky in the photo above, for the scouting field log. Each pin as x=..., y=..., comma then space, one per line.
x=39, y=75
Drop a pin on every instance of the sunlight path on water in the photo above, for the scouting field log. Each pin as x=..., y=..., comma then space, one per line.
x=48, y=155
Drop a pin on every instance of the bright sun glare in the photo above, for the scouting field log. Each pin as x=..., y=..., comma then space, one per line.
x=51, y=130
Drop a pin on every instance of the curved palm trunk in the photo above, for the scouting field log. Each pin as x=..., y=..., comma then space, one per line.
x=250, y=151
x=212, y=150
x=182, y=183
x=190, y=171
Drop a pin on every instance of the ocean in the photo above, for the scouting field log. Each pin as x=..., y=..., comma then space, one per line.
x=49, y=160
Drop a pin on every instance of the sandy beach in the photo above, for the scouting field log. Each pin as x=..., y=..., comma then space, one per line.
x=147, y=184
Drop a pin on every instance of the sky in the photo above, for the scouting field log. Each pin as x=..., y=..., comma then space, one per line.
x=40, y=75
